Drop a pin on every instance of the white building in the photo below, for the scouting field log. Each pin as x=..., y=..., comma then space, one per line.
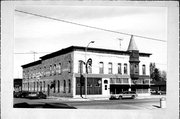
x=112, y=71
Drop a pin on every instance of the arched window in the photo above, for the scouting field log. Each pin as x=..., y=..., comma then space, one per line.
x=101, y=67
x=119, y=68
x=125, y=68
x=51, y=71
x=144, y=69
x=110, y=68
x=80, y=67
x=60, y=68
x=69, y=86
x=64, y=86
x=54, y=69
x=69, y=66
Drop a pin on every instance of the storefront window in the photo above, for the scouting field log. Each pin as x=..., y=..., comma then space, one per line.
x=58, y=86
x=69, y=86
x=54, y=86
x=64, y=86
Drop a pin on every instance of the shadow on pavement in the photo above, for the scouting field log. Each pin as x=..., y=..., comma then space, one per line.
x=156, y=106
x=45, y=105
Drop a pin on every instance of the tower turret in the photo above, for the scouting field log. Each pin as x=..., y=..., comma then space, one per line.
x=133, y=59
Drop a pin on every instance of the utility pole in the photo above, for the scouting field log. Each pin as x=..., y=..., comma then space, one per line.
x=34, y=55
x=86, y=68
x=81, y=77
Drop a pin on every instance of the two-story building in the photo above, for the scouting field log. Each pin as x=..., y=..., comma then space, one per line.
x=112, y=71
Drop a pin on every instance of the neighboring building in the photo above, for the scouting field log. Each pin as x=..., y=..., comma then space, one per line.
x=17, y=84
x=158, y=85
x=112, y=71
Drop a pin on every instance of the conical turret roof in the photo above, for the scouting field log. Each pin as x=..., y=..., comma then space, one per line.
x=132, y=44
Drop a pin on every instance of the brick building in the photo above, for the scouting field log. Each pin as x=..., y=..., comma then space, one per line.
x=112, y=71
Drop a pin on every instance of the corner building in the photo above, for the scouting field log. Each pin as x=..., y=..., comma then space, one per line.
x=112, y=71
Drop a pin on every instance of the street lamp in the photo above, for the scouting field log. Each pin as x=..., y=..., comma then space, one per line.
x=86, y=68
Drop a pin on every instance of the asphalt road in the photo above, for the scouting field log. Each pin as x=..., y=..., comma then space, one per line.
x=140, y=104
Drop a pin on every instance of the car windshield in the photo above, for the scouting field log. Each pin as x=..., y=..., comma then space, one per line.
x=129, y=92
x=33, y=93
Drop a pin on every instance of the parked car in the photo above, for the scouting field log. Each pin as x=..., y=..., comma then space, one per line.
x=37, y=95
x=153, y=91
x=158, y=92
x=16, y=94
x=125, y=94
x=21, y=94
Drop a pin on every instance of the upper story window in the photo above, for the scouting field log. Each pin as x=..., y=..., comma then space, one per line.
x=50, y=68
x=44, y=71
x=125, y=68
x=110, y=67
x=89, y=68
x=60, y=68
x=34, y=73
x=69, y=66
x=101, y=67
x=80, y=67
x=40, y=72
x=54, y=69
x=144, y=69
x=119, y=68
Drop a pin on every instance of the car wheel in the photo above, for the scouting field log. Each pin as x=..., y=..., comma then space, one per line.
x=133, y=97
x=120, y=97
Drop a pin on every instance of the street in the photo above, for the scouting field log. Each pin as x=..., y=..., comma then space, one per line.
x=140, y=104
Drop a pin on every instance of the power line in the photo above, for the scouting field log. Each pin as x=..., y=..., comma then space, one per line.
x=33, y=52
x=88, y=26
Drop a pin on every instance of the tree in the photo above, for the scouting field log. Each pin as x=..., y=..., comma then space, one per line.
x=163, y=75
x=157, y=76
x=152, y=68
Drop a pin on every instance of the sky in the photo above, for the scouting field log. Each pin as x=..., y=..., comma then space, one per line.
x=41, y=35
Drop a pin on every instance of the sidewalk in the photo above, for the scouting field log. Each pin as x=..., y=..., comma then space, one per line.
x=100, y=98
x=151, y=96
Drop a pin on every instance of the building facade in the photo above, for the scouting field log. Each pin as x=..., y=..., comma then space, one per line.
x=112, y=71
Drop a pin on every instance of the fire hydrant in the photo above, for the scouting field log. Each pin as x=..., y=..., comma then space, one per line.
x=163, y=102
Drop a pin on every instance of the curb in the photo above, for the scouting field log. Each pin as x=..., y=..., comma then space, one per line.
x=93, y=99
